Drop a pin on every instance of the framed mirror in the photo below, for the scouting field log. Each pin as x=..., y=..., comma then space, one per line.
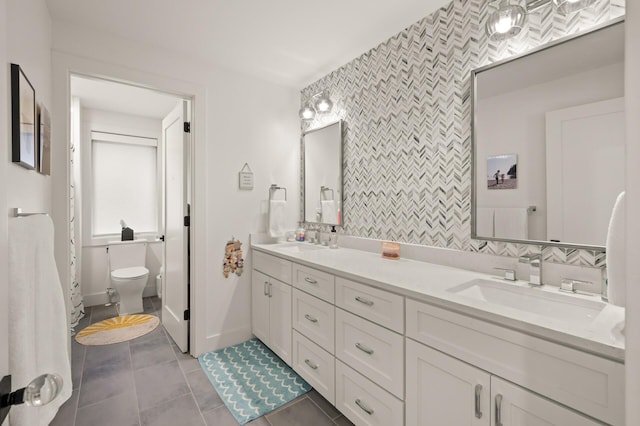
x=322, y=195
x=548, y=142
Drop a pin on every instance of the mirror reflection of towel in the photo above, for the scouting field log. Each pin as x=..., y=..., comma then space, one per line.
x=329, y=211
x=484, y=222
x=277, y=218
x=511, y=223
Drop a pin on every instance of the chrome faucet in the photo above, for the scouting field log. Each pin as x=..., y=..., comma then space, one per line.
x=535, y=268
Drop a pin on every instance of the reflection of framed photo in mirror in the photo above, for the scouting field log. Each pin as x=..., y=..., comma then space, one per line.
x=23, y=119
x=44, y=140
x=502, y=171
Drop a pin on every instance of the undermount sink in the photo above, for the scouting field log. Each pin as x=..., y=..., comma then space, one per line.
x=299, y=247
x=532, y=300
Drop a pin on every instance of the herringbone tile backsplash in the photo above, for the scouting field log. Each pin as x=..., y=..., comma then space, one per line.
x=407, y=109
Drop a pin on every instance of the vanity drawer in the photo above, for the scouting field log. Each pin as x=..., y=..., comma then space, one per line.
x=315, y=282
x=363, y=402
x=314, y=318
x=379, y=306
x=315, y=365
x=275, y=267
x=372, y=350
x=582, y=381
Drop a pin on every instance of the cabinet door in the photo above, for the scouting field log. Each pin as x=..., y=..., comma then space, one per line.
x=280, y=319
x=260, y=306
x=515, y=406
x=442, y=390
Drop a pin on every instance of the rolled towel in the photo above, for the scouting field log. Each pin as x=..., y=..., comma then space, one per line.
x=616, y=254
x=329, y=211
x=277, y=218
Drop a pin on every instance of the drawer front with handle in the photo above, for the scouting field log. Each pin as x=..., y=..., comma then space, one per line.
x=272, y=266
x=372, y=350
x=315, y=282
x=314, y=318
x=315, y=365
x=363, y=402
x=379, y=306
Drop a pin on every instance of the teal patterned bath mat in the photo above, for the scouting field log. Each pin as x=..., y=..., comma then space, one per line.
x=251, y=380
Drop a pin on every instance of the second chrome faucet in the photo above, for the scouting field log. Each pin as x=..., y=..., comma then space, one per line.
x=535, y=268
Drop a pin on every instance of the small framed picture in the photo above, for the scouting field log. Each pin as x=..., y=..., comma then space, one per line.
x=502, y=171
x=44, y=140
x=23, y=119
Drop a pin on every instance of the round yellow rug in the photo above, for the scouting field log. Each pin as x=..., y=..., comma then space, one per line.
x=118, y=329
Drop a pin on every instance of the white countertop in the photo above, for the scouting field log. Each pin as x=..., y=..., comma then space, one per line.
x=430, y=283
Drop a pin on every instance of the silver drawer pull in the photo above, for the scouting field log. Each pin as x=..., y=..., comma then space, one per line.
x=364, y=408
x=310, y=318
x=311, y=280
x=477, y=401
x=364, y=301
x=266, y=287
x=310, y=364
x=364, y=348
x=498, y=410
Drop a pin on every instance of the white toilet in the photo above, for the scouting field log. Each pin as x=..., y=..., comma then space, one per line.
x=128, y=274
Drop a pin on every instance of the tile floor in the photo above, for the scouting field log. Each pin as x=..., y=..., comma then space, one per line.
x=148, y=381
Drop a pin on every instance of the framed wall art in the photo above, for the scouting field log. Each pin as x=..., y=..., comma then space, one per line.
x=23, y=119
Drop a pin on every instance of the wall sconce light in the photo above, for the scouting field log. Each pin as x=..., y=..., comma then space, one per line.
x=509, y=17
x=319, y=103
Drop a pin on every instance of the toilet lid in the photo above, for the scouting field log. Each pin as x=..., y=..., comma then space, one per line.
x=126, y=273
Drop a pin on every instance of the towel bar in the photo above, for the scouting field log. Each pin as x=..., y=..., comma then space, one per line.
x=326, y=188
x=17, y=212
x=273, y=188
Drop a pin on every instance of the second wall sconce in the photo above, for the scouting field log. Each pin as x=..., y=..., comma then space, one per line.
x=320, y=103
x=509, y=16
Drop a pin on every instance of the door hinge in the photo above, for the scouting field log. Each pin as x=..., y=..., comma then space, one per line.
x=187, y=315
x=187, y=221
x=187, y=127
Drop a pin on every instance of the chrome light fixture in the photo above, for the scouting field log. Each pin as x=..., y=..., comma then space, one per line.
x=506, y=21
x=320, y=103
x=565, y=7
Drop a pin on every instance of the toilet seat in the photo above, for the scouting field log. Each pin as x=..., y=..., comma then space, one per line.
x=129, y=273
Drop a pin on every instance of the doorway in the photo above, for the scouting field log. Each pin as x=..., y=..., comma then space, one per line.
x=130, y=160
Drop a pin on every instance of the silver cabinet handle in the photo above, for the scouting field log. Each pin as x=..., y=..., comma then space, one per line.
x=364, y=348
x=310, y=364
x=266, y=288
x=477, y=401
x=364, y=408
x=311, y=280
x=364, y=301
x=498, y=410
x=270, y=292
x=310, y=318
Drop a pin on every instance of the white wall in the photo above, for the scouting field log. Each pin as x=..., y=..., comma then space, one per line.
x=632, y=91
x=507, y=130
x=238, y=119
x=29, y=43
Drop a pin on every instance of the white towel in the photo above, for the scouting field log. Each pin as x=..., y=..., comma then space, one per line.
x=484, y=222
x=329, y=211
x=511, y=223
x=616, y=254
x=277, y=218
x=37, y=316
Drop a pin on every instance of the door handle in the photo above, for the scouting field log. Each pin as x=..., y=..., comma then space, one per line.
x=310, y=318
x=477, y=401
x=498, y=410
x=364, y=408
x=364, y=349
x=364, y=301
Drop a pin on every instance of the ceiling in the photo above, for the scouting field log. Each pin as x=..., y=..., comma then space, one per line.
x=289, y=42
x=122, y=98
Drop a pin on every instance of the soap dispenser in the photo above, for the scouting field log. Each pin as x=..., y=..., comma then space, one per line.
x=333, y=238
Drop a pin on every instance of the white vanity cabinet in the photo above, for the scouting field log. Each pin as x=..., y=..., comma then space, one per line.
x=271, y=303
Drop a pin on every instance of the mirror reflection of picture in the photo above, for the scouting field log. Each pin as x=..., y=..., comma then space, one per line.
x=502, y=171
x=23, y=119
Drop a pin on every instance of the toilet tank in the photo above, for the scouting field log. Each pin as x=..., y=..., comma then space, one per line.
x=127, y=254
